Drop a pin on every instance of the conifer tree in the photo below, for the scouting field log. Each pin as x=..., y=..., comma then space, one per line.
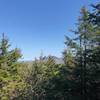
x=11, y=85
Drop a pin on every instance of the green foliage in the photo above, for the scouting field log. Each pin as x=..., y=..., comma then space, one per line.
x=11, y=84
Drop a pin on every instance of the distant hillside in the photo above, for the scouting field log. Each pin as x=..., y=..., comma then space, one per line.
x=57, y=60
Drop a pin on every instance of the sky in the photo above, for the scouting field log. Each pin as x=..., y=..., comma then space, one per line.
x=37, y=26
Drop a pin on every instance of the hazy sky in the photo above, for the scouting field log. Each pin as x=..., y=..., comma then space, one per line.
x=35, y=25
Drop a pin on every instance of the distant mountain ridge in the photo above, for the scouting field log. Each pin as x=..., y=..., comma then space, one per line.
x=58, y=60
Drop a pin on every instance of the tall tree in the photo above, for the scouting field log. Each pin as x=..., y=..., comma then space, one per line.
x=11, y=85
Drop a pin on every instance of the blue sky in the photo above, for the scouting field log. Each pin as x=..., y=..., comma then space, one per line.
x=35, y=25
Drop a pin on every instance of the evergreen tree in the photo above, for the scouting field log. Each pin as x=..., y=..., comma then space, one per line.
x=11, y=85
